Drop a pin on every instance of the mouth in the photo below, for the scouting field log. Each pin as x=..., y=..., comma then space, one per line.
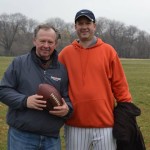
x=85, y=32
x=48, y=49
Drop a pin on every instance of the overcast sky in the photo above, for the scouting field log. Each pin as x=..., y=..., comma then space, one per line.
x=129, y=12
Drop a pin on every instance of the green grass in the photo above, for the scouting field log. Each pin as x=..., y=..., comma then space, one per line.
x=138, y=76
x=4, y=62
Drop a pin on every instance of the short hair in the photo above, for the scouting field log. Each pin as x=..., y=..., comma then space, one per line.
x=46, y=27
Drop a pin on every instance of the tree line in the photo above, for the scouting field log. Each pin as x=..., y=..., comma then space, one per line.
x=16, y=32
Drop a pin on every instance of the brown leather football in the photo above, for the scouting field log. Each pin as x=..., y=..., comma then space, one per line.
x=51, y=95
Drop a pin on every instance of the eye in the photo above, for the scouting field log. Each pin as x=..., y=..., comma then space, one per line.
x=88, y=23
x=50, y=42
x=81, y=23
x=42, y=41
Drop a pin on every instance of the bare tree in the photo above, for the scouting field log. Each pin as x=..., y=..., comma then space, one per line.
x=23, y=40
x=65, y=30
x=16, y=35
x=57, y=23
x=131, y=34
x=102, y=27
x=143, y=45
x=10, y=25
x=116, y=31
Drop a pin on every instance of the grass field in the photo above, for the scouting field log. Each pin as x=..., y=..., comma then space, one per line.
x=138, y=76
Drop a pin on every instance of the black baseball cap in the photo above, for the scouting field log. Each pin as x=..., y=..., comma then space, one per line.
x=87, y=13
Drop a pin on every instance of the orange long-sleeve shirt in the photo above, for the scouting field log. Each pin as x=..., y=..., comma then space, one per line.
x=96, y=79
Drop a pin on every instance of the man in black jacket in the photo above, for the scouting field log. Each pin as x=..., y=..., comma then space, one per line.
x=30, y=126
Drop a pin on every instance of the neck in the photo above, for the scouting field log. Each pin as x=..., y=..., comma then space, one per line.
x=87, y=44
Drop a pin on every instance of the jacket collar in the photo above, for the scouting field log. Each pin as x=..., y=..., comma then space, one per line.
x=52, y=63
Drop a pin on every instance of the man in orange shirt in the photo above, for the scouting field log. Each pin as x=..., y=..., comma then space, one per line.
x=96, y=80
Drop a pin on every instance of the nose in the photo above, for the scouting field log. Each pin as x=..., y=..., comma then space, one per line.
x=46, y=44
x=84, y=25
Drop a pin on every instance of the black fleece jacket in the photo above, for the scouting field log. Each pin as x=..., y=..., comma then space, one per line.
x=126, y=130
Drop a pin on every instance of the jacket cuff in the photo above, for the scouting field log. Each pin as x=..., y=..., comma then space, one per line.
x=68, y=115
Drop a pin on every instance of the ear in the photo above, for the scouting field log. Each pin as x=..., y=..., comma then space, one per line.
x=95, y=26
x=34, y=41
x=75, y=26
x=56, y=44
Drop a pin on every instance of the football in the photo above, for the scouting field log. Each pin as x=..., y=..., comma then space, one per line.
x=51, y=95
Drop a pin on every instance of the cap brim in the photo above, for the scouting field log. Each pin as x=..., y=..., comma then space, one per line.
x=84, y=16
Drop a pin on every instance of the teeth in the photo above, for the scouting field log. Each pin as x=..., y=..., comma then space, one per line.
x=48, y=49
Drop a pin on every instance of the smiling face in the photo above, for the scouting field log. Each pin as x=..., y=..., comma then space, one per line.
x=85, y=29
x=45, y=43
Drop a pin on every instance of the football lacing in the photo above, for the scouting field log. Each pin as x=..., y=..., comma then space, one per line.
x=55, y=99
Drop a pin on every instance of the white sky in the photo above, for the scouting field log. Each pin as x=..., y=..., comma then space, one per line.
x=129, y=12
